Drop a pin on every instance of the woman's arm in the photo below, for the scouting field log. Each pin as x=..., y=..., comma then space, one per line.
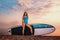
x=22, y=19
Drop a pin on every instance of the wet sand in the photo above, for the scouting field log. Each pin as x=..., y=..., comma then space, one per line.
x=16, y=37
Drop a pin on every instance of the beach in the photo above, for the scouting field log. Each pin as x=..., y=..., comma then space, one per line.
x=16, y=37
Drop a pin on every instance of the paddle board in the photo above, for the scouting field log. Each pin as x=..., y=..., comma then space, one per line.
x=38, y=29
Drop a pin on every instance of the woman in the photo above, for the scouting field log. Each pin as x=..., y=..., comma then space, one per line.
x=25, y=22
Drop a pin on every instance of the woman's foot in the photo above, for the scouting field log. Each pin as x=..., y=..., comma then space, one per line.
x=31, y=32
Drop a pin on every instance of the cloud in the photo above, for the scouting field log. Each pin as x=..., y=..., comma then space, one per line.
x=25, y=3
x=34, y=6
x=33, y=3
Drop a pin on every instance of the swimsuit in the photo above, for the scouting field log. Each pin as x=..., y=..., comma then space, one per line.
x=25, y=19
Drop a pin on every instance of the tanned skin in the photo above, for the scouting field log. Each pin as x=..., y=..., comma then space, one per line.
x=23, y=24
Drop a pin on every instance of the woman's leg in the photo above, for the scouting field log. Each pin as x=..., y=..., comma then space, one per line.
x=29, y=27
x=23, y=27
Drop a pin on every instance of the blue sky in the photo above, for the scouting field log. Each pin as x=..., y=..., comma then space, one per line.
x=6, y=5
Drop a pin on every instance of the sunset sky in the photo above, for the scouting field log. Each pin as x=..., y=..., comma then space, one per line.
x=39, y=11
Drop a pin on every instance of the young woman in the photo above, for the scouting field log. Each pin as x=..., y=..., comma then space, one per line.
x=25, y=22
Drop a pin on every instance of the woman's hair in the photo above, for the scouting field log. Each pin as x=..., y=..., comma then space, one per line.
x=25, y=13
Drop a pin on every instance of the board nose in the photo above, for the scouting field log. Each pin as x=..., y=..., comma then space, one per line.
x=9, y=31
x=52, y=28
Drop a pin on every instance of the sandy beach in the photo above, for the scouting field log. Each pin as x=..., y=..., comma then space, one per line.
x=16, y=37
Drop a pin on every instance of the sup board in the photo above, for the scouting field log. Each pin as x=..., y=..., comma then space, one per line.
x=38, y=29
